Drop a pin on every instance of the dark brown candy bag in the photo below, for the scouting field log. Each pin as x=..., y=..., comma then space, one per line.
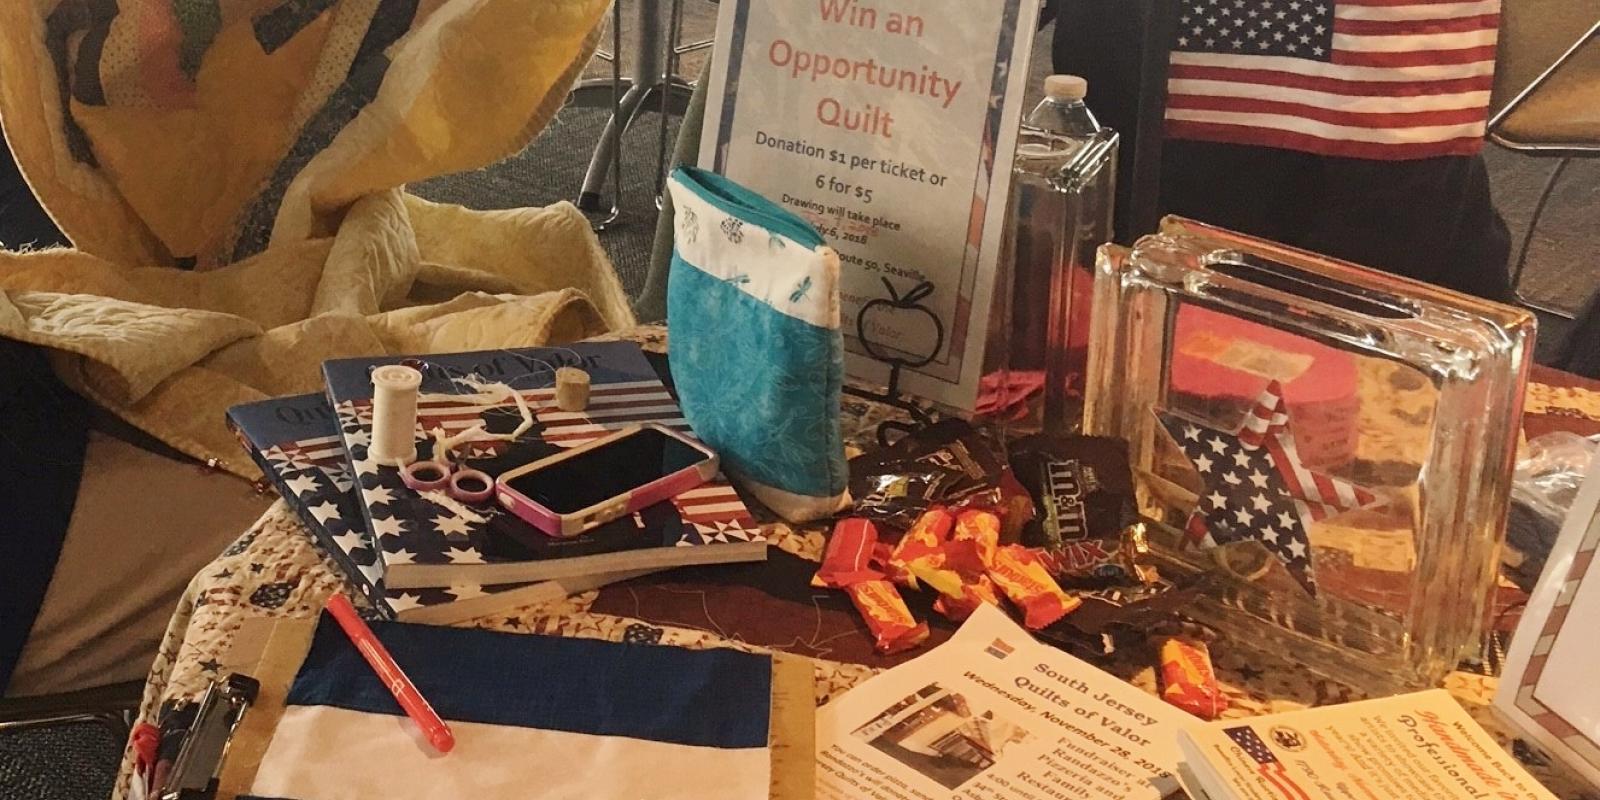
x=1082, y=486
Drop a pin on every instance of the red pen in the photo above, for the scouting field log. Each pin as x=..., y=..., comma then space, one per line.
x=404, y=691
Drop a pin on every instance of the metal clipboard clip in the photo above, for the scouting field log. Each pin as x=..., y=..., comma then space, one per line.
x=199, y=761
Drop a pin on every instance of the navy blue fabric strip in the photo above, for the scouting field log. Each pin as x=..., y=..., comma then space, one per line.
x=705, y=698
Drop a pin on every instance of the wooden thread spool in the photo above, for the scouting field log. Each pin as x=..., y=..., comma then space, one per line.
x=572, y=389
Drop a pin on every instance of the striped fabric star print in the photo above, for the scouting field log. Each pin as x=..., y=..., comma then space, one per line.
x=1375, y=79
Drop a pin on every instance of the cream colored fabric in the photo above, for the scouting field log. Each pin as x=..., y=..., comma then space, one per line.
x=142, y=527
x=268, y=144
x=170, y=351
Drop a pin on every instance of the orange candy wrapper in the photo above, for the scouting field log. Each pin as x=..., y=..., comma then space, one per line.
x=848, y=558
x=1188, y=680
x=1023, y=578
x=893, y=628
x=931, y=530
x=982, y=527
x=847, y=565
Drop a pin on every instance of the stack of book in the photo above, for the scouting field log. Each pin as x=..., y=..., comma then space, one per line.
x=416, y=559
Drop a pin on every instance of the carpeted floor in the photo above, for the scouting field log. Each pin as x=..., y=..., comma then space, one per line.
x=79, y=762
x=65, y=762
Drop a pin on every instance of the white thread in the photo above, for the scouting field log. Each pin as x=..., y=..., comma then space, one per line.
x=394, y=415
x=485, y=394
x=439, y=498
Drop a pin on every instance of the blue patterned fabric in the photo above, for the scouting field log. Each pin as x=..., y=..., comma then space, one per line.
x=755, y=344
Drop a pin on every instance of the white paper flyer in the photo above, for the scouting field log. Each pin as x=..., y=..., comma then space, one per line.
x=891, y=127
x=993, y=714
x=1420, y=745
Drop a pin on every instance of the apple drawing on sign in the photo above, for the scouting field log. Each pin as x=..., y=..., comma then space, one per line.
x=904, y=314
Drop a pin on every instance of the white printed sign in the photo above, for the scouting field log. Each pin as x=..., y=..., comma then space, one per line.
x=890, y=125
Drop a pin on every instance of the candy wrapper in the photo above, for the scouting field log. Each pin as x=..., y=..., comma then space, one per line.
x=924, y=539
x=847, y=564
x=1118, y=617
x=893, y=628
x=1188, y=680
x=982, y=528
x=939, y=465
x=956, y=571
x=1082, y=485
x=1096, y=563
x=848, y=558
x=1024, y=580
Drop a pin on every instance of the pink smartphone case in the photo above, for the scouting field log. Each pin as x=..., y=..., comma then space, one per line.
x=569, y=525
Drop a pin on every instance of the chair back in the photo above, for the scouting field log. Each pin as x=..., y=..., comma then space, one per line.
x=1564, y=111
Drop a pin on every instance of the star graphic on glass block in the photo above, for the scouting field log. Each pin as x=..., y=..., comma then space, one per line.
x=404, y=601
x=1266, y=494
x=301, y=484
x=400, y=557
x=366, y=466
x=359, y=437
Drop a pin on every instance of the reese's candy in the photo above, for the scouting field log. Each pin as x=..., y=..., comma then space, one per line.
x=1188, y=680
x=893, y=628
x=848, y=557
x=1023, y=578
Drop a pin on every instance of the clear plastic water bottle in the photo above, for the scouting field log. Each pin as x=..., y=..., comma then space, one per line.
x=1063, y=187
x=1062, y=112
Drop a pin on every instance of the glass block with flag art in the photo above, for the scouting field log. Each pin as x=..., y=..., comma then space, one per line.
x=1328, y=448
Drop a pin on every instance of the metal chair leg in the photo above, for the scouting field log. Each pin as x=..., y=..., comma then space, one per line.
x=668, y=73
x=1527, y=243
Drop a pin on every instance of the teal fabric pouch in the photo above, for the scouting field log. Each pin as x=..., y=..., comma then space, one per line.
x=755, y=345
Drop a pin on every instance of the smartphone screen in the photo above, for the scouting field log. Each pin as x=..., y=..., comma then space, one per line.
x=605, y=472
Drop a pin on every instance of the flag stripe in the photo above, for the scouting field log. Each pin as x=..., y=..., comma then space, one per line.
x=1358, y=119
x=1408, y=27
x=1302, y=66
x=559, y=682
x=1340, y=95
x=1412, y=10
x=1400, y=40
x=1290, y=140
x=1285, y=123
x=1417, y=58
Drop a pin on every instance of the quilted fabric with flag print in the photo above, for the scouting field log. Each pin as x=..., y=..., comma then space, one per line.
x=533, y=716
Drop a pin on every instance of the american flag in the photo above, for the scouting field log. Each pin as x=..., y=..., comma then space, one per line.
x=1271, y=768
x=1255, y=487
x=1377, y=79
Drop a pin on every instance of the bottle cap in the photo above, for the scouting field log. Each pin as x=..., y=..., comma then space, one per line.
x=1065, y=87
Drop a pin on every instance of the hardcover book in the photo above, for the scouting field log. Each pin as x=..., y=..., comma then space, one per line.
x=295, y=441
x=428, y=543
